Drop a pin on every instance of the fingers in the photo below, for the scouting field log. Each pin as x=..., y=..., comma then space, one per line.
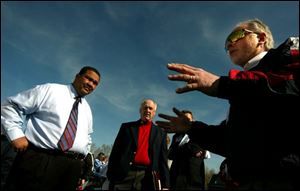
x=187, y=88
x=183, y=90
x=178, y=77
x=167, y=117
x=20, y=149
x=189, y=78
x=165, y=126
x=162, y=124
x=168, y=126
x=181, y=68
x=20, y=144
x=187, y=75
x=177, y=112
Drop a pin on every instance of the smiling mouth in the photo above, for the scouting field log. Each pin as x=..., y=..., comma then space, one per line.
x=147, y=116
x=86, y=89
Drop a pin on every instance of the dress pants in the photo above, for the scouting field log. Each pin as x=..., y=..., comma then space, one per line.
x=7, y=158
x=37, y=171
x=136, y=179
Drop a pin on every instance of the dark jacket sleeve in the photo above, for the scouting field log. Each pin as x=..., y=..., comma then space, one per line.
x=210, y=137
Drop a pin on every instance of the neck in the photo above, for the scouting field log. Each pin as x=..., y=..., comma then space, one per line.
x=77, y=94
x=145, y=121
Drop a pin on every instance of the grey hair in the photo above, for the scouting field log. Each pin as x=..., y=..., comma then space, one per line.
x=257, y=25
x=145, y=100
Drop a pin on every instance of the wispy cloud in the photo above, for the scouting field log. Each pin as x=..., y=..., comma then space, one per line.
x=123, y=93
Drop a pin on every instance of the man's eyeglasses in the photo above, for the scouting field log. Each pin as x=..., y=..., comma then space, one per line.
x=236, y=35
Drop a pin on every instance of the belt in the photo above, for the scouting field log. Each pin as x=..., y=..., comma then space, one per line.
x=56, y=152
x=139, y=167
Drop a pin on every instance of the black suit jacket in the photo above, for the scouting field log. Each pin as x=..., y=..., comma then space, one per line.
x=124, y=149
x=187, y=171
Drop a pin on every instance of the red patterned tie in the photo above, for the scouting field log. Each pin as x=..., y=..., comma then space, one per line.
x=67, y=139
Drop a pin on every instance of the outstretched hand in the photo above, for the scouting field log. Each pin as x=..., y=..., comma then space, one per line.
x=195, y=78
x=179, y=124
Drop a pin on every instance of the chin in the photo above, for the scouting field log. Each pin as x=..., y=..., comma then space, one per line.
x=85, y=92
x=147, y=119
x=236, y=62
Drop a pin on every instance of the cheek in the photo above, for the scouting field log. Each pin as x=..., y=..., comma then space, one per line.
x=250, y=51
x=238, y=58
x=244, y=54
x=152, y=114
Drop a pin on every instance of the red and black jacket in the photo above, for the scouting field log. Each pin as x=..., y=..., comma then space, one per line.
x=260, y=132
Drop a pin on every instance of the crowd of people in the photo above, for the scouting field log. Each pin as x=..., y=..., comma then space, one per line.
x=46, y=130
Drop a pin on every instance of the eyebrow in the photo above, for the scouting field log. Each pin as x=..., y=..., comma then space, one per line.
x=91, y=79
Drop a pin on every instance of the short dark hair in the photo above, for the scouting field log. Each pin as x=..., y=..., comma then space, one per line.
x=101, y=154
x=86, y=68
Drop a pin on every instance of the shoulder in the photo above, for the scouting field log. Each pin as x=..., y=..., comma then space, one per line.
x=42, y=90
x=291, y=42
x=130, y=123
x=285, y=55
x=289, y=47
x=51, y=87
x=158, y=129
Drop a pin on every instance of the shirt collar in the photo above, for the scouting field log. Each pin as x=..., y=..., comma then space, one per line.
x=145, y=122
x=74, y=93
x=254, y=61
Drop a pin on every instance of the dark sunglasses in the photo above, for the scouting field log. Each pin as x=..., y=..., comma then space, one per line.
x=236, y=35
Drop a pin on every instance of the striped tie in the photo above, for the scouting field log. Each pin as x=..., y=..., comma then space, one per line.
x=67, y=139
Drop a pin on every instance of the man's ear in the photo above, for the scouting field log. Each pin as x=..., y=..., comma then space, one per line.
x=262, y=38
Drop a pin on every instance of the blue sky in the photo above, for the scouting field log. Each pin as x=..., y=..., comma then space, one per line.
x=130, y=43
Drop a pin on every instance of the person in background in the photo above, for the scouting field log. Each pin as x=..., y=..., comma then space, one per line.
x=52, y=145
x=259, y=137
x=100, y=169
x=187, y=171
x=138, y=160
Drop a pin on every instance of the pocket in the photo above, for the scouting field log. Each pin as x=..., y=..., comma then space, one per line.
x=33, y=165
